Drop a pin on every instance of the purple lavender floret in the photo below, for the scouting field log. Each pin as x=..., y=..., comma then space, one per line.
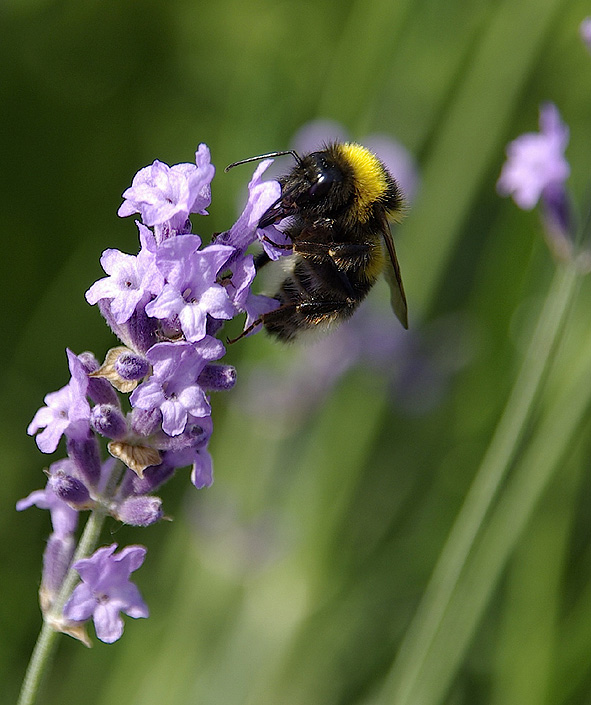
x=132, y=282
x=165, y=196
x=261, y=196
x=106, y=591
x=173, y=387
x=192, y=292
x=64, y=519
x=67, y=411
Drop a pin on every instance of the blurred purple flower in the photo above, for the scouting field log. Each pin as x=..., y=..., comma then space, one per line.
x=415, y=365
x=106, y=590
x=536, y=161
x=585, y=32
x=314, y=134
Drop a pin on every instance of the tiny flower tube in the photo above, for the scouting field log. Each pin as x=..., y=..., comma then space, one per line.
x=138, y=333
x=56, y=561
x=145, y=423
x=86, y=456
x=99, y=390
x=153, y=478
x=139, y=510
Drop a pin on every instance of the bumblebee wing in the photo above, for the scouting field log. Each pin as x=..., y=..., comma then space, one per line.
x=393, y=277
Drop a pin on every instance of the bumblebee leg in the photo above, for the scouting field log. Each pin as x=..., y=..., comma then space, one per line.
x=279, y=247
x=246, y=331
x=288, y=320
x=337, y=259
x=343, y=254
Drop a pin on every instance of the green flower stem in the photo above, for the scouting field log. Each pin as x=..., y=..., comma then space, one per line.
x=47, y=640
x=406, y=670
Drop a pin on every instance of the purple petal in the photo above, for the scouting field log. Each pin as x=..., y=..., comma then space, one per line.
x=107, y=623
x=202, y=472
x=81, y=604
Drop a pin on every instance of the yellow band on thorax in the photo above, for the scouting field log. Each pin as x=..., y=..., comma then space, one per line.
x=369, y=177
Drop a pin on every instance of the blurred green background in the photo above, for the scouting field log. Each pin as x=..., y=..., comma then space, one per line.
x=295, y=578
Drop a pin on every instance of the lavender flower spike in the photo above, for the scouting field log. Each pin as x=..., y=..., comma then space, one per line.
x=106, y=590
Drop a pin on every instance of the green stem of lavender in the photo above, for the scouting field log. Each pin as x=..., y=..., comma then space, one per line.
x=47, y=639
x=407, y=668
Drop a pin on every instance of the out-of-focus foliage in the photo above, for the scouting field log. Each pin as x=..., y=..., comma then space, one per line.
x=294, y=578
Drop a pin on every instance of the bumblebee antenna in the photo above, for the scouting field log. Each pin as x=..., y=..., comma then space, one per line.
x=269, y=155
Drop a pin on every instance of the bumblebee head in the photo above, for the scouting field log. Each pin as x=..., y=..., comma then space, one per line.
x=343, y=180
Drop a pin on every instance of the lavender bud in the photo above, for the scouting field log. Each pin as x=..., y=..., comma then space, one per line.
x=140, y=511
x=217, y=378
x=131, y=366
x=108, y=420
x=86, y=456
x=70, y=490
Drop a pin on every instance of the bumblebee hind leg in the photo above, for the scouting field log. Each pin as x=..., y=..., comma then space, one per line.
x=289, y=320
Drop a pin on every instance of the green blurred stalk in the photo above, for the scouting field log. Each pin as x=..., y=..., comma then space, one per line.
x=414, y=658
x=555, y=439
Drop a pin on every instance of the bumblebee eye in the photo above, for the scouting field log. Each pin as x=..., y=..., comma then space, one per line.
x=320, y=188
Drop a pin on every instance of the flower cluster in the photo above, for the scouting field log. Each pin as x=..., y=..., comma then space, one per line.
x=166, y=305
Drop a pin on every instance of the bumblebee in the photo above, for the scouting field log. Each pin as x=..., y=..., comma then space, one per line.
x=338, y=200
